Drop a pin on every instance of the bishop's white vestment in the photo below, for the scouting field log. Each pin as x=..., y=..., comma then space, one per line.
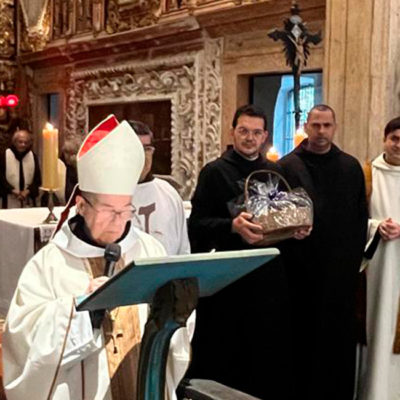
x=51, y=351
x=381, y=380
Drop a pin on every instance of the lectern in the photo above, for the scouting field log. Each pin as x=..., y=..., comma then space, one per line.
x=172, y=286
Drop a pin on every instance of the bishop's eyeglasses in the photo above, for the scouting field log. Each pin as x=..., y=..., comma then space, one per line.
x=110, y=214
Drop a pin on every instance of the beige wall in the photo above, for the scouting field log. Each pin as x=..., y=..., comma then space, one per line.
x=360, y=75
x=359, y=58
x=251, y=54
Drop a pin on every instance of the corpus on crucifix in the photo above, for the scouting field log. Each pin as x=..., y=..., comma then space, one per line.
x=296, y=41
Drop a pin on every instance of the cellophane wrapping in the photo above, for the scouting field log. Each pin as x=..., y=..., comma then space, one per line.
x=279, y=212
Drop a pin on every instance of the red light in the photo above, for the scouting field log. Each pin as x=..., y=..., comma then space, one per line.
x=2, y=101
x=12, y=100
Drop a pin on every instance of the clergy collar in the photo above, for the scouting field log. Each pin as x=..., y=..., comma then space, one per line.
x=247, y=158
x=233, y=156
x=72, y=239
x=302, y=149
x=79, y=228
x=19, y=155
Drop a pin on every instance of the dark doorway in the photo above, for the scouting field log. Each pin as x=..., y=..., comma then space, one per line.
x=156, y=114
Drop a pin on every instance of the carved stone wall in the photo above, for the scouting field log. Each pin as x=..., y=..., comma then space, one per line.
x=131, y=15
x=192, y=82
x=7, y=34
x=7, y=69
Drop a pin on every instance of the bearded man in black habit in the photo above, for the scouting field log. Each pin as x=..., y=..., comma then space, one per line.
x=323, y=268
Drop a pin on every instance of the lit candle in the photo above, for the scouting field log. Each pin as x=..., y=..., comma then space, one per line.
x=50, y=157
x=299, y=136
x=272, y=154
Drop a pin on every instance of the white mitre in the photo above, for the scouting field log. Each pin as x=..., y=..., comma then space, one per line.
x=110, y=159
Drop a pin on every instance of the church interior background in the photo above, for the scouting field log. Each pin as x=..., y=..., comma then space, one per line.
x=184, y=66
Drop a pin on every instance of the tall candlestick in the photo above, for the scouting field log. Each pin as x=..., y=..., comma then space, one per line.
x=50, y=157
x=299, y=136
x=272, y=154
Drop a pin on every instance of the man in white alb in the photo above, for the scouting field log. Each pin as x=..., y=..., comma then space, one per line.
x=50, y=350
x=381, y=380
x=160, y=210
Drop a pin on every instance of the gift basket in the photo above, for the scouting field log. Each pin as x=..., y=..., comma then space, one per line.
x=279, y=212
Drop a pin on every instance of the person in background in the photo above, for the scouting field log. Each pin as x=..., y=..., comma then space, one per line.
x=68, y=156
x=323, y=268
x=20, y=176
x=160, y=210
x=382, y=368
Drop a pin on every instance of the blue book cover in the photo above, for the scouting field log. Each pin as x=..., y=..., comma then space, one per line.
x=138, y=282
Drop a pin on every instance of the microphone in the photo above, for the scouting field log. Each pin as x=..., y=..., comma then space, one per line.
x=112, y=254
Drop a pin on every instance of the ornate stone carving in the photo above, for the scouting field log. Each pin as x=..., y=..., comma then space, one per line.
x=63, y=15
x=124, y=15
x=7, y=36
x=7, y=76
x=212, y=100
x=191, y=82
x=173, y=5
x=84, y=15
x=98, y=15
x=8, y=116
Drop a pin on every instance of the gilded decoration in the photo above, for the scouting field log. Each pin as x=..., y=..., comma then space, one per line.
x=7, y=36
x=7, y=76
x=84, y=16
x=124, y=15
x=63, y=15
x=36, y=38
x=8, y=116
x=192, y=82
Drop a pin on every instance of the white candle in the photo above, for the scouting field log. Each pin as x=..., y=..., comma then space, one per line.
x=50, y=157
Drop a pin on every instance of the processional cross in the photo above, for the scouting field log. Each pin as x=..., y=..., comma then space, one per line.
x=296, y=41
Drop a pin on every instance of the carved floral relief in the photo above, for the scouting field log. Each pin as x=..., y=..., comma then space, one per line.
x=192, y=83
x=123, y=15
x=7, y=36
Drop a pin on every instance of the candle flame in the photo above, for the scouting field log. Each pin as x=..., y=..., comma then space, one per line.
x=301, y=132
x=49, y=126
x=272, y=154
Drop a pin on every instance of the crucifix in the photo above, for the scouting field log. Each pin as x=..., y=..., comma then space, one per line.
x=296, y=46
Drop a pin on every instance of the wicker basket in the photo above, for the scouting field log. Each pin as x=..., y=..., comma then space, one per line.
x=280, y=224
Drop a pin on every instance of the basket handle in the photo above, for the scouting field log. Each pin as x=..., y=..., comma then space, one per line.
x=267, y=171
